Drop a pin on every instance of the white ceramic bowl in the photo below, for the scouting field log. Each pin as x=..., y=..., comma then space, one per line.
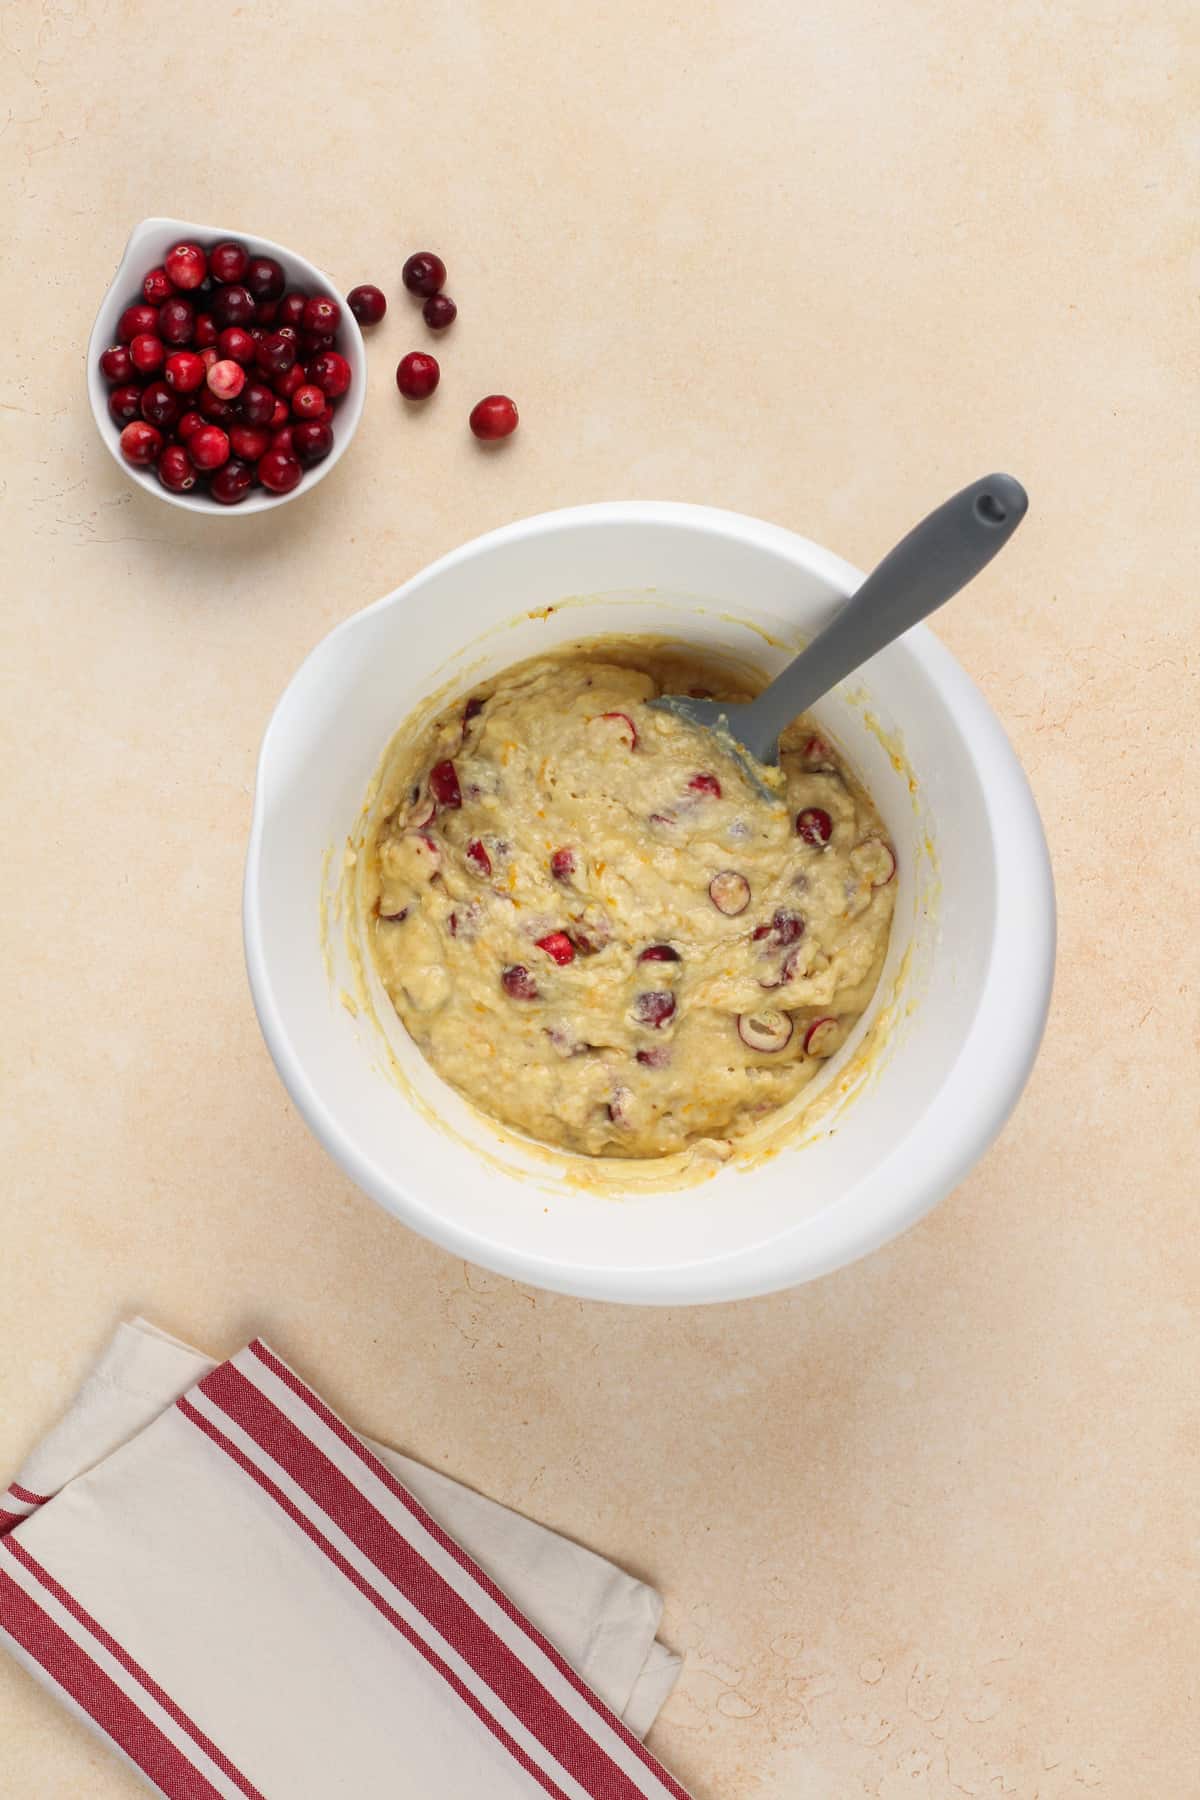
x=147, y=246
x=969, y=970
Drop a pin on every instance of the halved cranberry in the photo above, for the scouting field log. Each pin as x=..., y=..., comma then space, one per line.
x=471, y=710
x=767, y=1032
x=615, y=728
x=558, y=945
x=311, y=441
x=191, y=421
x=417, y=375
x=157, y=287
x=331, y=372
x=308, y=402
x=208, y=447
x=424, y=273
x=495, y=416
x=233, y=305
x=176, y=470
x=159, y=405
x=264, y=277
x=227, y=378
x=321, y=314
x=874, y=860
x=183, y=371
x=659, y=953
x=136, y=319
x=249, y=442
x=817, y=1037
x=439, y=311
x=147, y=353
x=518, y=983
x=784, y=929
x=705, y=784
x=186, y=265
x=236, y=344
x=656, y=1058
x=275, y=354
x=125, y=403
x=279, y=471
x=817, y=754
x=141, y=443
x=256, y=403
x=231, y=483
x=476, y=854
x=620, y=1106
x=814, y=825
x=116, y=364
x=654, y=1008
x=562, y=865
x=396, y=918
x=443, y=784
x=204, y=331
x=367, y=302
x=176, y=322
x=729, y=892
x=228, y=260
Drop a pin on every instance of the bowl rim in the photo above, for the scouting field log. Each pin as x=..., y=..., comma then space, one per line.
x=349, y=413
x=964, y=1114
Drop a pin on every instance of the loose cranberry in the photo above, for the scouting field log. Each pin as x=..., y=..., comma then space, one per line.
x=136, y=319
x=290, y=310
x=424, y=273
x=216, y=410
x=116, y=364
x=814, y=825
x=494, y=417
x=176, y=470
x=417, y=375
x=209, y=447
x=308, y=401
x=654, y=1008
x=321, y=314
x=312, y=343
x=236, y=344
x=562, y=865
x=140, y=443
x=283, y=441
x=292, y=332
x=191, y=421
x=443, y=784
x=279, y=472
x=157, y=287
x=439, y=311
x=280, y=413
x=331, y=372
x=367, y=302
x=557, y=945
x=176, y=322
x=231, y=483
x=311, y=441
x=209, y=356
x=229, y=260
x=264, y=278
x=476, y=854
x=256, y=403
x=659, y=953
x=159, y=405
x=186, y=264
x=249, y=442
x=291, y=381
x=227, y=379
x=266, y=311
x=705, y=784
x=204, y=331
x=233, y=305
x=125, y=403
x=518, y=983
x=183, y=371
x=275, y=353
x=147, y=353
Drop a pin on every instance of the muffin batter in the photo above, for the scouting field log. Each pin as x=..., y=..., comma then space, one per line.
x=598, y=930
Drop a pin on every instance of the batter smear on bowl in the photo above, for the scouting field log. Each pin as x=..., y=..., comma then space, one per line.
x=596, y=927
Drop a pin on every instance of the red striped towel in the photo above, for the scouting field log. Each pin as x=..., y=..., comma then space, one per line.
x=247, y=1599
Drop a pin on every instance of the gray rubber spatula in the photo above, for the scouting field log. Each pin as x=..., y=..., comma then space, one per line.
x=939, y=556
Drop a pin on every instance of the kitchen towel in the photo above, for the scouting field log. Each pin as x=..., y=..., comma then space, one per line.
x=248, y=1599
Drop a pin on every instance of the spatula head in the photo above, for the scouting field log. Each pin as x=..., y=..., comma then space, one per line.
x=721, y=717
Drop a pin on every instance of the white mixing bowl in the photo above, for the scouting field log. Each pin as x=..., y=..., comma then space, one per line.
x=964, y=994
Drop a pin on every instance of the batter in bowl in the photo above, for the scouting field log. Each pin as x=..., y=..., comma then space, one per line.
x=597, y=929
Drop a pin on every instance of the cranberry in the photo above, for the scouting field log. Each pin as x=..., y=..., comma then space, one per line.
x=312, y=343
x=562, y=865
x=136, y=319
x=471, y=710
x=494, y=417
x=424, y=273
x=615, y=728
x=729, y=892
x=275, y=353
x=249, y=442
x=659, y=953
x=814, y=825
x=291, y=381
x=443, y=785
x=184, y=371
x=228, y=261
x=227, y=379
x=147, y=353
x=177, y=321
x=654, y=1008
x=191, y=421
x=367, y=303
x=279, y=412
x=125, y=403
x=768, y=1032
x=159, y=405
x=231, y=483
x=331, y=372
x=476, y=854
x=290, y=310
x=311, y=441
x=140, y=443
x=216, y=410
x=116, y=364
x=308, y=401
x=705, y=784
x=233, y=305
x=176, y=469
x=417, y=375
x=518, y=983
x=186, y=264
x=157, y=287
x=264, y=278
x=236, y=344
x=321, y=314
x=282, y=439
x=204, y=331
x=209, y=356
x=256, y=403
x=439, y=311
x=292, y=333
x=209, y=447
x=558, y=946
x=279, y=471
x=817, y=1037
x=785, y=928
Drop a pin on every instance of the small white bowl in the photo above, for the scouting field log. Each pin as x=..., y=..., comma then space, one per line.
x=964, y=992
x=147, y=246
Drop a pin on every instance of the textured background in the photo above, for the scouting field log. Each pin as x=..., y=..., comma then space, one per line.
x=928, y=1528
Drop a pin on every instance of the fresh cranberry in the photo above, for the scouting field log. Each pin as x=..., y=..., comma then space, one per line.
x=257, y=403
x=814, y=825
x=443, y=784
x=417, y=375
x=311, y=441
x=229, y=260
x=204, y=331
x=177, y=321
x=209, y=447
x=367, y=303
x=424, y=273
x=280, y=413
x=125, y=403
x=159, y=405
x=191, y=421
x=290, y=310
x=147, y=353
x=264, y=278
x=209, y=356
x=176, y=470
x=494, y=417
x=236, y=344
x=279, y=471
x=233, y=305
x=312, y=343
x=140, y=443
x=659, y=953
x=705, y=784
x=321, y=314
x=275, y=354
x=249, y=442
x=283, y=441
x=231, y=483
x=186, y=265
x=518, y=983
x=116, y=364
x=654, y=1008
x=227, y=379
x=331, y=372
x=216, y=410
x=439, y=311
x=136, y=319
x=267, y=311
x=157, y=287
x=562, y=865
x=558, y=946
x=476, y=854
x=308, y=401
x=184, y=371
x=290, y=382
x=292, y=333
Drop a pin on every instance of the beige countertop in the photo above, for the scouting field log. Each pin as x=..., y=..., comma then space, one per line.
x=927, y=1528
